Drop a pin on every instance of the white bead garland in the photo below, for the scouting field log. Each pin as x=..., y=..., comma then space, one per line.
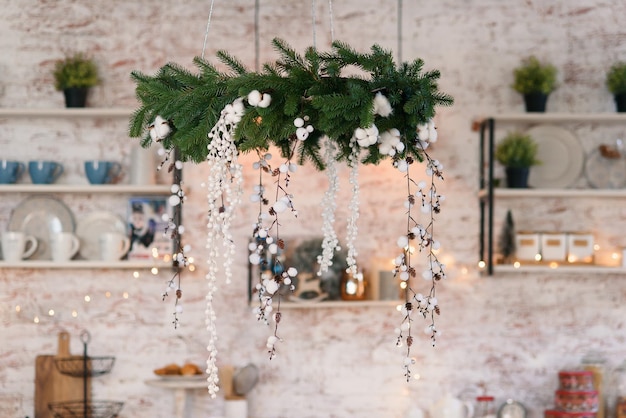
x=353, y=207
x=223, y=195
x=330, y=242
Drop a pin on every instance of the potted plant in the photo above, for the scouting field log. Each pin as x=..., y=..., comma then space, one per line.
x=517, y=152
x=616, y=83
x=535, y=80
x=74, y=75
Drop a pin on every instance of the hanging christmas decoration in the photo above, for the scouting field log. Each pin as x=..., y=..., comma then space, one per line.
x=307, y=108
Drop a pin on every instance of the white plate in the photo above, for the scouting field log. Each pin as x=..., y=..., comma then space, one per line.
x=183, y=378
x=89, y=229
x=41, y=217
x=561, y=155
x=605, y=173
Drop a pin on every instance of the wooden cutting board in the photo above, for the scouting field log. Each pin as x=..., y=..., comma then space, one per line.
x=53, y=386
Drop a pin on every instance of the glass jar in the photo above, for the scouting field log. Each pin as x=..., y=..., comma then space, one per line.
x=596, y=363
x=485, y=407
x=619, y=383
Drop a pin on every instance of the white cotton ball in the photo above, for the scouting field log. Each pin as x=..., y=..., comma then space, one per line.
x=302, y=134
x=400, y=146
x=153, y=134
x=398, y=260
x=283, y=168
x=293, y=167
x=174, y=200
x=273, y=249
x=432, y=301
x=252, y=246
x=432, y=135
x=403, y=166
x=238, y=106
x=402, y=241
x=287, y=281
x=391, y=152
x=162, y=127
x=279, y=206
x=384, y=148
x=262, y=233
x=298, y=122
x=271, y=340
x=404, y=276
x=254, y=259
x=309, y=128
x=271, y=287
x=254, y=97
x=382, y=106
x=372, y=131
x=363, y=142
x=423, y=135
x=395, y=132
x=292, y=272
x=422, y=127
x=265, y=101
x=359, y=133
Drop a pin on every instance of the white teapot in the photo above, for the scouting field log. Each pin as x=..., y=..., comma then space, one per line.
x=451, y=407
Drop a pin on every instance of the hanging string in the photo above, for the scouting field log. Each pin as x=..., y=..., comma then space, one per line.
x=257, y=64
x=208, y=24
x=399, y=31
x=332, y=23
x=313, y=7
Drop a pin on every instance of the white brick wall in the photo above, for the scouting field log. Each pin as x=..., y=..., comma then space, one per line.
x=512, y=334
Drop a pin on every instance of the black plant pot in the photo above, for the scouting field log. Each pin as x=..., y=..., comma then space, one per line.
x=517, y=177
x=75, y=96
x=535, y=102
x=620, y=102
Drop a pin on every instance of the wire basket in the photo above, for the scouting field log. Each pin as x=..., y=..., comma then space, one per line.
x=88, y=409
x=78, y=367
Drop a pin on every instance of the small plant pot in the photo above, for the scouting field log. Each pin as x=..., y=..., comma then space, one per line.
x=535, y=102
x=75, y=96
x=620, y=102
x=517, y=177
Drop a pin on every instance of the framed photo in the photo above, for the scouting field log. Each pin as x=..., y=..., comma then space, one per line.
x=146, y=227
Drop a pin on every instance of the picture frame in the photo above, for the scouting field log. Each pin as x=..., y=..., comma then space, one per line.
x=147, y=227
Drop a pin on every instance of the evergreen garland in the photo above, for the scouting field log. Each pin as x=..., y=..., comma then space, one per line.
x=310, y=85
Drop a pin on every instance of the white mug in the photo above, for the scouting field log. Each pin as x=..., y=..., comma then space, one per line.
x=17, y=246
x=113, y=246
x=65, y=245
x=143, y=166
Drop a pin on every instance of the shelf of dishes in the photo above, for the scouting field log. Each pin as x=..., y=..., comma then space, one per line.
x=341, y=304
x=513, y=193
x=86, y=264
x=159, y=189
x=87, y=112
x=553, y=117
x=556, y=267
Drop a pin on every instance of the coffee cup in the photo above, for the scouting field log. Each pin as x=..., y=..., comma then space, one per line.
x=44, y=172
x=113, y=246
x=64, y=246
x=17, y=246
x=102, y=172
x=10, y=171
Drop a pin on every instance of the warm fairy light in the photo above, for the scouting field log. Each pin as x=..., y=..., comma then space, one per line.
x=517, y=264
x=615, y=256
x=192, y=267
x=464, y=270
x=136, y=274
x=190, y=260
x=36, y=320
x=87, y=298
x=572, y=258
x=416, y=376
x=398, y=308
x=155, y=252
x=18, y=308
x=481, y=264
x=154, y=270
x=403, y=285
x=596, y=247
x=51, y=312
x=74, y=314
x=554, y=265
x=537, y=257
x=107, y=294
x=125, y=295
x=167, y=258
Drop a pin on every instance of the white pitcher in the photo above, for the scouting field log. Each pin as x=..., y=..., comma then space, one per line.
x=451, y=407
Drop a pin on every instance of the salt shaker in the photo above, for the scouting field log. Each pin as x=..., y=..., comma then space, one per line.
x=485, y=407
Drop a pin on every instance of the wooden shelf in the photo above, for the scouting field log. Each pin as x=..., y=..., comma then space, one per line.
x=554, y=117
x=560, y=268
x=84, y=264
x=502, y=192
x=87, y=112
x=340, y=304
x=160, y=189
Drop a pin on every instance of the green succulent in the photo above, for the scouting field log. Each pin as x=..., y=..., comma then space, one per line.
x=517, y=150
x=75, y=71
x=534, y=77
x=616, y=78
